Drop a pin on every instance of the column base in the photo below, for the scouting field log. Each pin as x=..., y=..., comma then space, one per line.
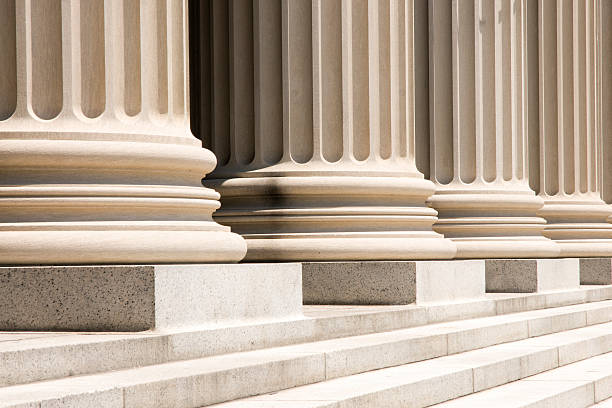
x=594, y=243
x=503, y=247
x=531, y=275
x=96, y=198
x=578, y=225
x=80, y=244
x=392, y=282
x=596, y=271
x=147, y=297
x=487, y=223
x=345, y=247
x=332, y=217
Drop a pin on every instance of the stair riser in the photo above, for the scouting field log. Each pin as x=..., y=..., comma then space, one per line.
x=205, y=389
x=48, y=362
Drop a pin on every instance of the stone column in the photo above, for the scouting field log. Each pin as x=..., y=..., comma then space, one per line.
x=605, y=96
x=569, y=135
x=311, y=106
x=97, y=163
x=482, y=63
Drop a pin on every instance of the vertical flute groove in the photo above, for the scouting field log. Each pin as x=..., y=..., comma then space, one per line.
x=8, y=62
x=329, y=73
x=46, y=49
x=132, y=57
x=93, y=97
x=298, y=80
x=360, y=49
x=442, y=37
x=242, y=124
x=268, y=87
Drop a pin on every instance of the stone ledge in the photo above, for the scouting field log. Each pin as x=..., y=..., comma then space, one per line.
x=392, y=282
x=531, y=275
x=146, y=297
x=595, y=271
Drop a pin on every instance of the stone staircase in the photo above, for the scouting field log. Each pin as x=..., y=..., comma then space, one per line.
x=506, y=350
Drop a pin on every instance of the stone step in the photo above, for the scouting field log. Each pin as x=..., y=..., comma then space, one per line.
x=29, y=357
x=604, y=404
x=577, y=385
x=430, y=382
x=211, y=380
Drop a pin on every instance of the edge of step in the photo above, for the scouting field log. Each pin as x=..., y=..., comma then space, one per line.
x=447, y=379
x=250, y=373
x=67, y=354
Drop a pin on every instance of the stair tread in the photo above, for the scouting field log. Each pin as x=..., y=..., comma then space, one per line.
x=386, y=381
x=43, y=356
x=590, y=381
x=607, y=403
x=457, y=366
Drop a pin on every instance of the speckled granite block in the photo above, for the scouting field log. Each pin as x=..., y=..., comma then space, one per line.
x=596, y=271
x=135, y=298
x=392, y=282
x=531, y=275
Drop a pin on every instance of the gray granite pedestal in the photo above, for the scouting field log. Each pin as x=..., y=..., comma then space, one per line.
x=392, y=282
x=135, y=298
x=532, y=275
x=596, y=271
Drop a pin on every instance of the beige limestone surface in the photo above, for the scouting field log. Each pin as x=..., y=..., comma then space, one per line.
x=312, y=119
x=97, y=162
x=569, y=172
x=480, y=54
x=392, y=282
x=148, y=297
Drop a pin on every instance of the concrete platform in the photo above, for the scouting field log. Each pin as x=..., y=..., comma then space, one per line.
x=595, y=271
x=531, y=275
x=392, y=282
x=147, y=297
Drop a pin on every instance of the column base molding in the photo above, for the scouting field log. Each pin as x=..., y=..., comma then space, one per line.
x=344, y=247
x=490, y=222
x=94, y=198
x=332, y=218
x=81, y=245
x=579, y=225
x=505, y=247
x=583, y=248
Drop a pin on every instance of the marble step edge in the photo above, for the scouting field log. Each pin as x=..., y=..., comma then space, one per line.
x=586, y=383
x=46, y=358
x=447, y=379
x=607, y=403
x=216, y=379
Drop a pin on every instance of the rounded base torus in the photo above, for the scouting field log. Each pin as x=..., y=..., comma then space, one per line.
x=332, y=218
x=348, y=248
x=95, y=198
x=148, y=246
x=493, y=223
x=526, y=247
x=579, y=224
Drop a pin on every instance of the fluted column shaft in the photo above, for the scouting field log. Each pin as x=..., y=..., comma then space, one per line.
x=481, y=112
x=569, y=180
x=603, y=15
x=97, y=163
x=310, y=107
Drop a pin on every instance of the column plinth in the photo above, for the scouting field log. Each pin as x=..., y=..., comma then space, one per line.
x=480, y=119
x=97, y=162
x=310, y=106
